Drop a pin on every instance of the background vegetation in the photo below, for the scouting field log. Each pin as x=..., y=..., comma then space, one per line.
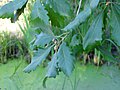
x=61, y=32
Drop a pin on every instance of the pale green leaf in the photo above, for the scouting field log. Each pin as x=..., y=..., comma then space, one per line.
x=52, y=67
x=43, y=39
x=115, y=23
x=65, y=59
x=95, y=32
x=75, y=41
x=94, y=3
x=38, y=24
x=38, y=58
x=7, y=11
x=39, y=12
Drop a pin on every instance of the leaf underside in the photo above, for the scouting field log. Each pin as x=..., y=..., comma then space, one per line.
x=95, y=32
x=38, y=58
x=40, y=12
x=65, y=59
x=43, y=39
x=7, y=11
x=115, y=23
x=82, y=16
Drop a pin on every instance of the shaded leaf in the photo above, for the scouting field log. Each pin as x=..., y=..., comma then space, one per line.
x=65, y=59
x=60, y=6
x=107, y=54
x=55, y=18
x=115, y=23
x=75, y=41
x=43, y=39
x=95, y=32
x=44, y=82
x=39, y=12
x=37, y=59
x=80, y=18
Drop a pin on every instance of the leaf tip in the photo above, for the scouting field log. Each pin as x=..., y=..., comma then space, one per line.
x=44, y=82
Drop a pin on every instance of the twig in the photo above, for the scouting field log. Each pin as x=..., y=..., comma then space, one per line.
x=79, y=7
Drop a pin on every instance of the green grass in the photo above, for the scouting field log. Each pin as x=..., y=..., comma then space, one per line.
x=86, y=77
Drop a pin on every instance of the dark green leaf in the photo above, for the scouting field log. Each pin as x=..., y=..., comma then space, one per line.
x=55, y=18
x=43, y=39
x=107, y=54
x=60, y=6
x=39, y=12
x=115, y=23
x=80, y=18
x=37, y=59
x=95, y=31
x=65, y=59
x=44, y=82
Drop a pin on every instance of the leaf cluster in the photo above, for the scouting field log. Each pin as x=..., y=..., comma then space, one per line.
x=64, y=28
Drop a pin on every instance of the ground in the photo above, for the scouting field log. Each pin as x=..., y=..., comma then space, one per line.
x=87, y=77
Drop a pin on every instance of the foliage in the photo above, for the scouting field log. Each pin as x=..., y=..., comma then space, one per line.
x=94, y=32
x=11, y=46
x=28, y=35
x=115, y=23
x=55, y=24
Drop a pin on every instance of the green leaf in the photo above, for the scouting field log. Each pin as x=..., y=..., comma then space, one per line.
x=94, y=3
x=60, y=6
x=106, y=54
x=39, y=18
x=80, y=18
x=7, y=11
x=115, y=23
x=55, y=18
x=37, y=59
x=43, y=39
x=39, y=12
x=38, y=24
x=44, y=82
x=95, y=32
x=52, y=67
x=75, y=41
x=59, y=12
x=65, y=59
x=18, y=13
